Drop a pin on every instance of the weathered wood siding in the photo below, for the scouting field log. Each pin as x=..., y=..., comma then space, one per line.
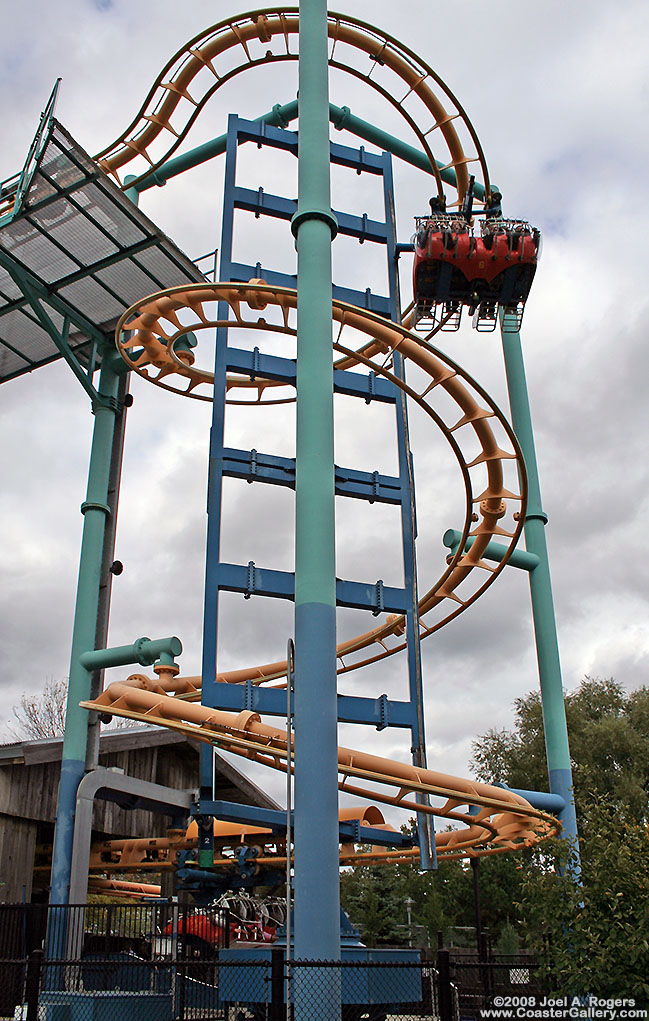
x=30, y=792
x=17, y=846
x=29, y=781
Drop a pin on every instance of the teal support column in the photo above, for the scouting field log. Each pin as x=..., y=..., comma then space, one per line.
x=317, y=903
x=545, y=631
x=94, y=510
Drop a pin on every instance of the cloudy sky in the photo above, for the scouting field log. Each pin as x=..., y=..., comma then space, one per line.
x=559, y=100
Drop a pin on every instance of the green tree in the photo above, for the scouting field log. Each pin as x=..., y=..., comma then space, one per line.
x=369, y=895
x=500, y=885
x=374, y=898
x=593, y=934
x=592, y=937
x=430, y=912
x=609, y=746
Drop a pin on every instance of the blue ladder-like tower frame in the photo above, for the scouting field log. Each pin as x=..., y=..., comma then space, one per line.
x=259, y=467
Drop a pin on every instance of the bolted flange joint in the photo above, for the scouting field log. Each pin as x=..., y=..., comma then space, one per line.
x=93, y=505
x=314, y=214
x=539, y=515
x=103, y=403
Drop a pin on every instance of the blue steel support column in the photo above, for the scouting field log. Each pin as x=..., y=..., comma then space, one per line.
x=545, y=631
x=94, y=510
x=427, y=848
x=317, y=888
x=215, y=497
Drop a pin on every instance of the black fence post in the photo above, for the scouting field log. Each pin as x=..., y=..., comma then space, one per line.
x=445, y=992
x=486, y=972
x=183, y=956
x=277, y=984
x=33, y=983
x=107, y=944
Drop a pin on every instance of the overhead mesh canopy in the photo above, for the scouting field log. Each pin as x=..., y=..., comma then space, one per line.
x=85, y=250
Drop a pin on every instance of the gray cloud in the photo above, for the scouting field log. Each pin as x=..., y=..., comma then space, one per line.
x=563, y=140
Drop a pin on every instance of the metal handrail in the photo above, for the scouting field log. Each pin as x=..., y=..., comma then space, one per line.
x=13, y=197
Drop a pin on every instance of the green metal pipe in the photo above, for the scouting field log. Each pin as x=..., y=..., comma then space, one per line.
x=343, y=118
x=94, y=510
x=545, y=630
x=110, y=532
x=131, y=193
x=495, y=551
x=280, y=116
x=317, y=887
x=107, y=560
x=143, y=651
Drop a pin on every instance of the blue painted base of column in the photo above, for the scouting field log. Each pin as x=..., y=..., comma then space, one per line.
x=317, y=884
x=72, y=772
x=561, y=783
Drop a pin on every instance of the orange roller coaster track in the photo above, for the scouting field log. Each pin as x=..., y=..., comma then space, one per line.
x=152, y=339
x=480, y=437
x=504, y=820
x=262, y=37
x=147, y=337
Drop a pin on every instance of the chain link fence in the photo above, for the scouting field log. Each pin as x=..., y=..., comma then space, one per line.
x=159, y=961
x=124, y=988
x=478, y=980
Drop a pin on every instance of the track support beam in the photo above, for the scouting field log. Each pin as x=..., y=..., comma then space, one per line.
x=317, y=885
x=95, y=510
x=545, y=628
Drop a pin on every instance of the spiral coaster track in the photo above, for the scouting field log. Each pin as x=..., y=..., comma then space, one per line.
x=492, y=468
x=505, y=821
x=152, y=338
x=213, y=58
x=148, y=338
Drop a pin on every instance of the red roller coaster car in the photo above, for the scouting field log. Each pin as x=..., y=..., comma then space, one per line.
x=204, y=928
x=454, y=269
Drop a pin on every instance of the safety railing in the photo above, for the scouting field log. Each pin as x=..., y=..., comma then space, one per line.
x=13, y=190
x=170, y=962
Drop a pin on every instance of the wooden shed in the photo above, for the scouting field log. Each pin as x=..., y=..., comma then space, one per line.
x=29, y=780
